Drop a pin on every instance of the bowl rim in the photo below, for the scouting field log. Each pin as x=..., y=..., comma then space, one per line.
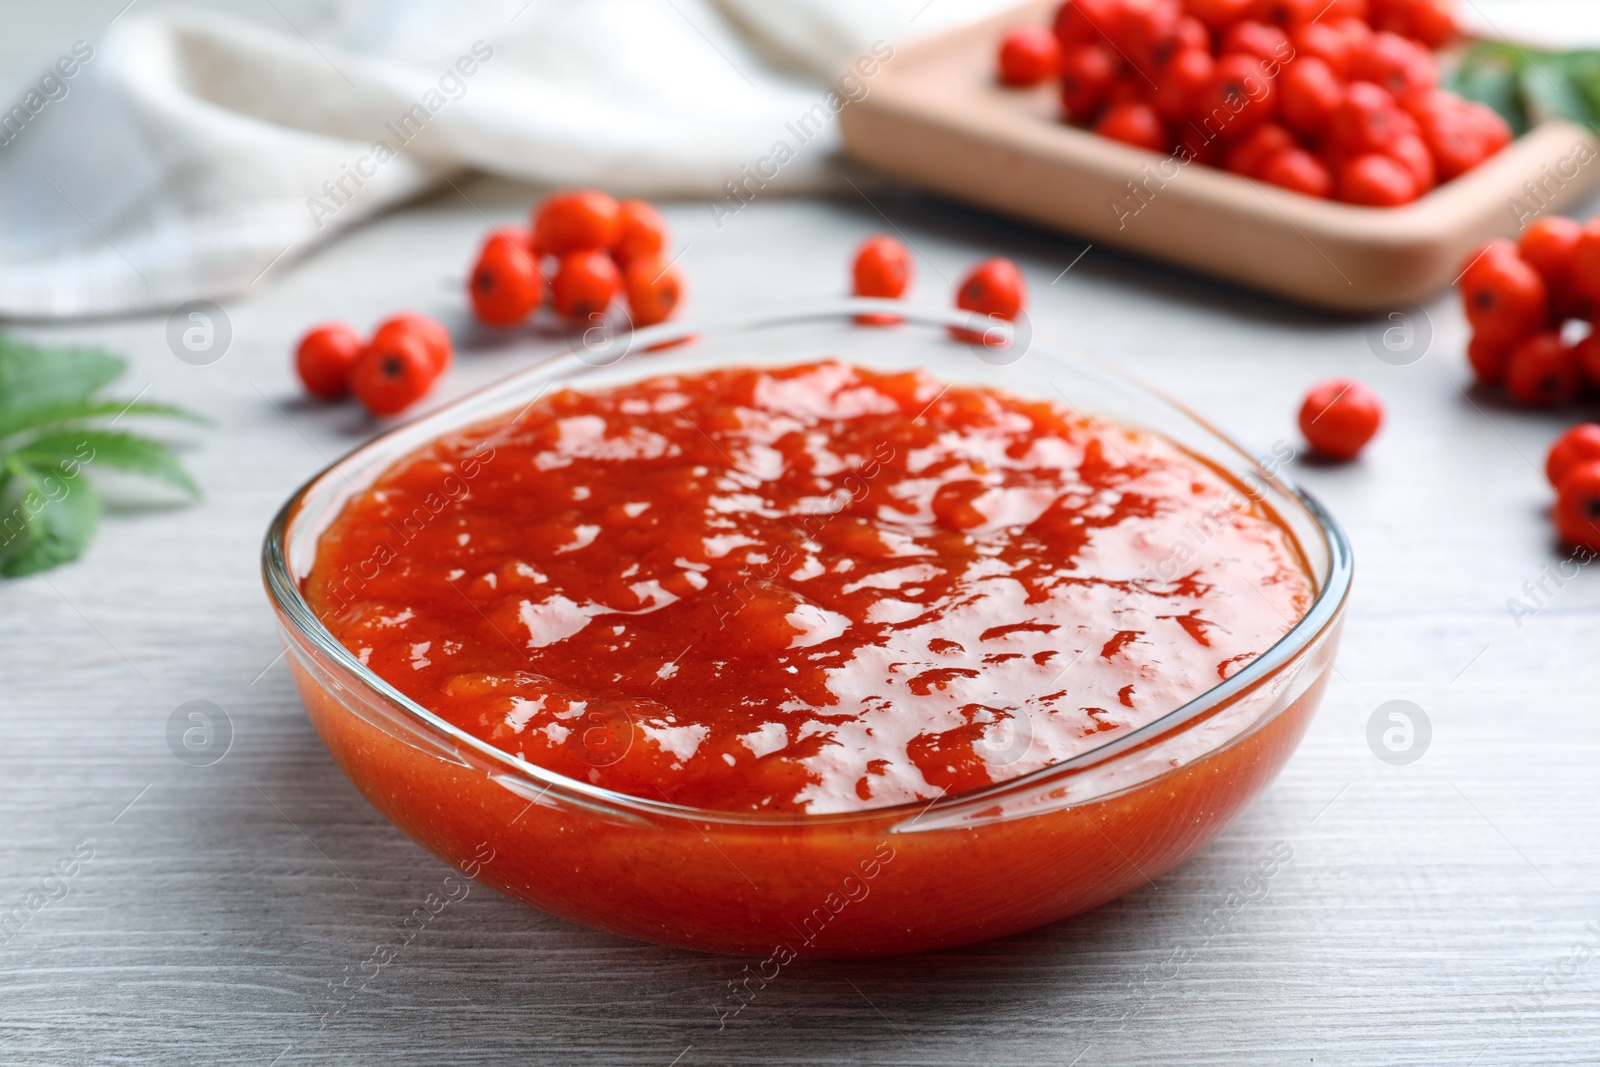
x=284, y=589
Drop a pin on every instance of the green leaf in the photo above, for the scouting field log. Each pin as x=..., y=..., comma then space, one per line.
x=1583, y=70
x=1549, y=92
x=34, y=378
x=73, y=411
x=67, y=451
x=47, y=521
x=1490, y=74
x=48, y=405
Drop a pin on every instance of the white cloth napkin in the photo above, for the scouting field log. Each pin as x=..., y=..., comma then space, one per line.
x=187, y=154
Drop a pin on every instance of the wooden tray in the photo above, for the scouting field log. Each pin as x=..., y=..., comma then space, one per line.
x=935, y=117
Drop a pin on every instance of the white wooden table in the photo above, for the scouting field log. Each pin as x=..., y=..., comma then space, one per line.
x=1441, y=912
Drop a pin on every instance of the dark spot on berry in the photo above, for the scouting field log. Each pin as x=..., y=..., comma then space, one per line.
x=392, y=367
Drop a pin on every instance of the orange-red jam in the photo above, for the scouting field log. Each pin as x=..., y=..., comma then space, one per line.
x=815, y=588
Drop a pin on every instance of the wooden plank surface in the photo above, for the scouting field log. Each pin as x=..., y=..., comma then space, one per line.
x=1443, y=912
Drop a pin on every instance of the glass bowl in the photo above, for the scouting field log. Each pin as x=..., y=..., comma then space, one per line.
x=926, y=875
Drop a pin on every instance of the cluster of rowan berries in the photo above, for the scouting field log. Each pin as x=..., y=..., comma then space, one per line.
x=1331, y=98
x=1573, y=467
x=592, y=249
x=1525, y=299
x=1531, y=303
x=387, y=373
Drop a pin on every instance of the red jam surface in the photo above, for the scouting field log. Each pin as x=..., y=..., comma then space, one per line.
x=814, y=589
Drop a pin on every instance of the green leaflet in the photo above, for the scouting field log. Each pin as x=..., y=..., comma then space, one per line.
x=1551, y=93
x=1583, y=69
x=69, y=450
x=49, y=521
x=19, y=419
x=1528, y=86
x=53, y=427
x=1489, y=74
x=33, y=378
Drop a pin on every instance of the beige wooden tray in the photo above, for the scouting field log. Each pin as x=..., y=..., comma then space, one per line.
x=934, y=116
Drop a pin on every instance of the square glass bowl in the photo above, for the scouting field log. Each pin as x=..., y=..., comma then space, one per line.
x=965, y=867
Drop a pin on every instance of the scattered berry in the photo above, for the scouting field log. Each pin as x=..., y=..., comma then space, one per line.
x=1550, y=246
x=1028, y=55
x=1577, y=446
x=584, y=285
x=1377, y=180
x=1409, y=151
x=1193, y=35
x=1250, y=154
x=505, y=286
x=1289, y=14
x=1150, y=32
x=1180, y=82
x=577, y=221
x=882, y=269
x=994, y=288
x=1542, y=371
x=1578, y=506
x=653, y=290
x=1505, y=299
x=1087, y=73
x=393, y=373
x=1587, y=352
x=1312, y=92
x=1401, y=66
x=1258, y=39
x=1220, y=14
x=1427, y=21
x=1585, y=280
x=434, y=337
x=1460, y=134
x=1241, y=90
x=1135, y=124
x=1488, y=357
x=1339, y=417
x=1089, y=21
x=1323, y=41
x=324, y=358
x=1297, y=169
x=1366, y=120
x=642, y=232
